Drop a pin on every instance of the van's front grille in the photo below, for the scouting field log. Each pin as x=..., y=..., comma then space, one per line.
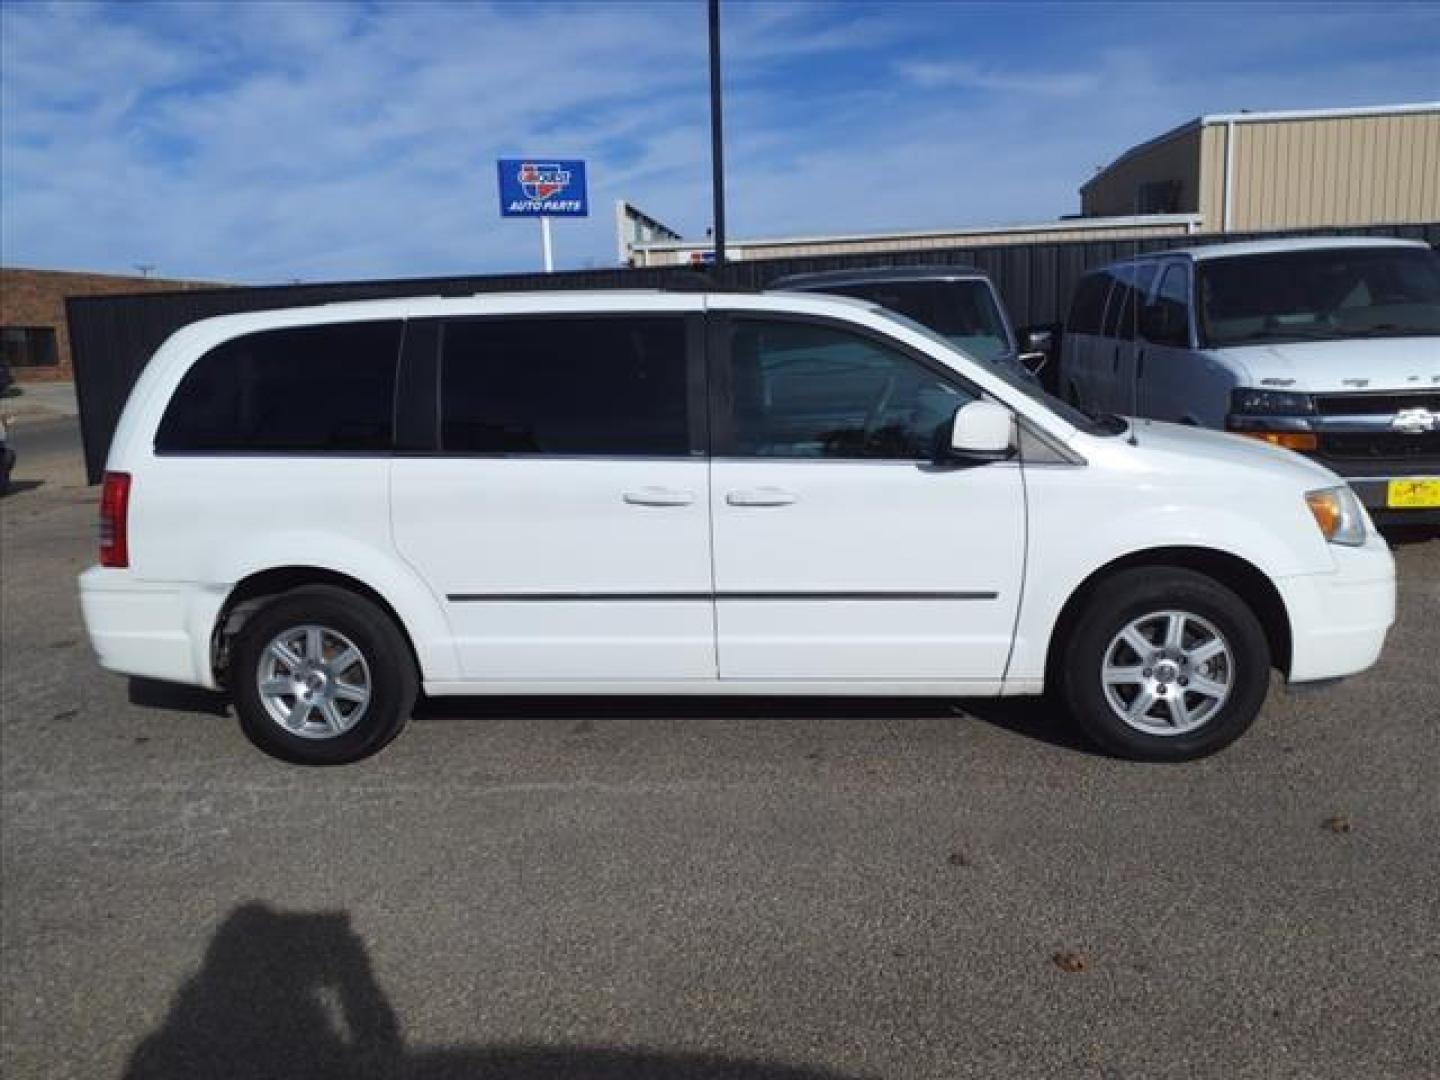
x=1380, y=445
x=1377, y=404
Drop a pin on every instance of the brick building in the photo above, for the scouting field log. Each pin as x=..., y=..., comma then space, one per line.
x=34, y=337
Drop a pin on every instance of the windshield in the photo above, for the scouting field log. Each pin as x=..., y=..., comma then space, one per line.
x=962, y=312
x=1319, y=295
x=1090, y=423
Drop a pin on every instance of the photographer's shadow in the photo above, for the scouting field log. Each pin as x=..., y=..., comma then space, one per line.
x=294, y=995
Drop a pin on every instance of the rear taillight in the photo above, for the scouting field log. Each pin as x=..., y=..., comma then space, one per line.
x=114, y=510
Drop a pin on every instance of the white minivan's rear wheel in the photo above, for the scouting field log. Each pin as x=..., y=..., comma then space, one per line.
x=1165, y=665
x=321, y=676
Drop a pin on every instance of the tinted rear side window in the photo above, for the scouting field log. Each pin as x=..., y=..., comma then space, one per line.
x=1088, y=306
x=963, y=312
x=1132, y=283
x=565, y=386
x=303, y=390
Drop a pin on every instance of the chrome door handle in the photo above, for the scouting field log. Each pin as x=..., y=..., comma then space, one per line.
x=761, y=497
x=658, y=496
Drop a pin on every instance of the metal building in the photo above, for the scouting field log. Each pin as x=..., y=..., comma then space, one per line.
x=1255, y=171
x=700, y=252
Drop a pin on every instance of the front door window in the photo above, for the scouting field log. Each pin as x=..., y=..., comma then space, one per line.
x=804, y=390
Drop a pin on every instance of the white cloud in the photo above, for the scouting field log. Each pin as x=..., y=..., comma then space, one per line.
x=261, y=142
x=931, y=75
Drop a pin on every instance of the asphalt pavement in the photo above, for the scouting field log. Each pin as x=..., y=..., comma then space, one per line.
x=758, y=889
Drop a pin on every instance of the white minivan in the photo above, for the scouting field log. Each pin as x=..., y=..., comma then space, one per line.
x=1327, y=346
x=326, y=511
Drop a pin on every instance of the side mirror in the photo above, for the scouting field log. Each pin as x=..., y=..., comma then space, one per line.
x=1035, y=349
x=984, y=431
x=1041, y=341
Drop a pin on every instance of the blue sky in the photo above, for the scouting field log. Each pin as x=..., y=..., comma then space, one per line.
x=268, y=141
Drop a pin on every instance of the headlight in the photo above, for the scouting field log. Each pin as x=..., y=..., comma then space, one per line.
x=1270, y=403
x=1338, y=513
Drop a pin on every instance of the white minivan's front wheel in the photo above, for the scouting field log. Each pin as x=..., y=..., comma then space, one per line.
x=1165, y=665
x=321, y=676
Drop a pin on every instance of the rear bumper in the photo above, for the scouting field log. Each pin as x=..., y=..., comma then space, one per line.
x=1338, y=620
x=158, y=630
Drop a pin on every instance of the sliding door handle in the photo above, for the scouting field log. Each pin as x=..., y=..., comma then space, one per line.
x=766, y=496
x=659, y=496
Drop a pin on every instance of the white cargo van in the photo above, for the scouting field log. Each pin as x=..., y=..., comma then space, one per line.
x=1329, y=347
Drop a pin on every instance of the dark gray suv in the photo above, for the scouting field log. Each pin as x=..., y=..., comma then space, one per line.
x=960, y=303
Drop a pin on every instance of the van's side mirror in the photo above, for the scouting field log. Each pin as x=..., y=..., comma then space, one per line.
x=982, y=431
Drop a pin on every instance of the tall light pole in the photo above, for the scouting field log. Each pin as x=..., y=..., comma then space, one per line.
x=717, y=140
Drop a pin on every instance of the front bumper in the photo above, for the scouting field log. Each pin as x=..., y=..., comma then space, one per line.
x=156, y=630
x=1338, y=620
x=1374, y=492
x=1364, y=449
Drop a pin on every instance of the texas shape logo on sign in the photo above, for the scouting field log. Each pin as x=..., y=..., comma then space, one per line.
x=542, y=181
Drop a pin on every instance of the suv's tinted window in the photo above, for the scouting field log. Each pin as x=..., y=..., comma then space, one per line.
x=303, y=390
x=806, y=390
x=963, y=311
x=586, y=385
x=1088, y=307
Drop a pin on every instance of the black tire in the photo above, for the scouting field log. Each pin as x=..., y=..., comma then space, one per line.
x=1131, y=595
x=393, y=679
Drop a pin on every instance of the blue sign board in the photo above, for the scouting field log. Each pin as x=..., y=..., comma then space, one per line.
x=542, y=187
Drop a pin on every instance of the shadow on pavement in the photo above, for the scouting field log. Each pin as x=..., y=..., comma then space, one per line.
x=17, y=486
x=294, y=995
x=1033, y=718
x=154, y=694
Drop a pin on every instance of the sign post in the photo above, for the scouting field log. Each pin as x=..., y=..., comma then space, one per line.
x=543, y=188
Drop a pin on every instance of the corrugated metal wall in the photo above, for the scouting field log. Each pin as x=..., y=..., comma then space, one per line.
x=1212, y=176
x=1296, y=174
x=112, y=337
